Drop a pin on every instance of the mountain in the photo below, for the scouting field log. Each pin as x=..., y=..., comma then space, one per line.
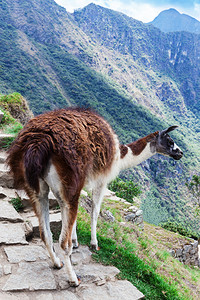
x=171, y=20
x=175, y=61
x=139, y=78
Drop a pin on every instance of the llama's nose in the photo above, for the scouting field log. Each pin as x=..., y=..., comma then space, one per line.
x=180, y=152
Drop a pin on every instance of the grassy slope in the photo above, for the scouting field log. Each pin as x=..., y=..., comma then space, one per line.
x=49, y=77
x=142, y=256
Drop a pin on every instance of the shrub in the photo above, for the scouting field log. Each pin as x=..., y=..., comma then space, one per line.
x=125, y=189
x=180, y=228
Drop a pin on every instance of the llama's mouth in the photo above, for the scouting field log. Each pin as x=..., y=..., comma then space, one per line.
x=177, y=156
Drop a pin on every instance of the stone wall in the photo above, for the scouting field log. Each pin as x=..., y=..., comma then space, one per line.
x=135, y=215
x=187, y=254
x=132, y=213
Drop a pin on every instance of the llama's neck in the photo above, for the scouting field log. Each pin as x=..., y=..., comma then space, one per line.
x=135, y=153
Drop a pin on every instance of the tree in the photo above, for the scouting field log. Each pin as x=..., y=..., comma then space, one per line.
x=194, y=187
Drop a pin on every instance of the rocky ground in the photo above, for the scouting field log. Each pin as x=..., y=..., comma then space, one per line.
x=26, y=271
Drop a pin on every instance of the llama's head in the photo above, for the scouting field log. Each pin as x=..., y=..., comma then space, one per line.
x=166, y=146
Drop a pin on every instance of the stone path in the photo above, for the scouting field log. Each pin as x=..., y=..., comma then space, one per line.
x=26, y=271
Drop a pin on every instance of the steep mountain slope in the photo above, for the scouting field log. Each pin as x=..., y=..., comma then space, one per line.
x=171, y=20
x=176, y=57
x=104, y=59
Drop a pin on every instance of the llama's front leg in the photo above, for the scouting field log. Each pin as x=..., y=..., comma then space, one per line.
x=74, y=237
x=97, y=197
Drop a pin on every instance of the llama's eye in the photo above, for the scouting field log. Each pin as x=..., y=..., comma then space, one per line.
x=170, y=143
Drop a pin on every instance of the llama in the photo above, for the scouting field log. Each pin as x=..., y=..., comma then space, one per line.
x=66, y=150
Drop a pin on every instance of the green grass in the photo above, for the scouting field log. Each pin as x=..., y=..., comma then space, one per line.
x=17, y=203
x=123, y=256
x=143, y=276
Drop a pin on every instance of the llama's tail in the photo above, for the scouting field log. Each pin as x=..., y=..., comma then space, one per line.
x=36, y=157
x=28, y=158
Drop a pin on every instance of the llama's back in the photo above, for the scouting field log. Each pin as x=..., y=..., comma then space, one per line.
x=76, y=140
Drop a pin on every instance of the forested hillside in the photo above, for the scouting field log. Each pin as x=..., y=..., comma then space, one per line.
x=140, y=79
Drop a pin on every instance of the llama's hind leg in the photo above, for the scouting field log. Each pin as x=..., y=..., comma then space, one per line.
x=68, y=205
x=69, y=213
x=41, y=207
x=74, y=236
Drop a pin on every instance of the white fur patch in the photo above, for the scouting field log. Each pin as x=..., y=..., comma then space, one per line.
x=131, y=160
x=176, y=147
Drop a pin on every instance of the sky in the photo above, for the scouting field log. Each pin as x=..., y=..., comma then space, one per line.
x=142, y=10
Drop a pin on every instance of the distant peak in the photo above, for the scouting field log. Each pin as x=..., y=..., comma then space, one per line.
x=172, y=10
x=171, y=20
x=91, y=5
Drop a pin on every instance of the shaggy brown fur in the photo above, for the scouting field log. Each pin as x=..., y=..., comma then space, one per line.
x=78, y=141
x=63, y=149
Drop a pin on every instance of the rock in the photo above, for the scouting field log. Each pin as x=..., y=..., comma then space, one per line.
x=6, y=179
x=28, y=229
x=195, y=244
x=60, y=295
x=27, y=253
x=101, y=282
x=120, y=289
x=8, y=192
x=55, y=220
x=178, y=252
x=15, y=296
x=84, y=193
x=63, y=283
x=172, y=252
x=1, y=272
x=92, y=272
x=31, y=276
x=128, y=203
x=139, y=220
x=108, y=216
x=130, y=217
x=7, y=269
x=108, y=193
x=82, y=255
x=192, y=251
x=133, y=208
x=3, y=157
x=12, y=234
x=139, y=213
x=8, y=213
x=187, y=248
x=45, y=297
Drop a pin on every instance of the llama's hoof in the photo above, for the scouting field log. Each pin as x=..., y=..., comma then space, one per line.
x=75, y=244
x=94, y=247
x=75, y=283
x=59, y=266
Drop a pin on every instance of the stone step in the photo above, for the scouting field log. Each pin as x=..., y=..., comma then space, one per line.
x=34, y=267
x=6, y=179
x=12, y=233
x=3, y=156
x=54, y=218
x=12, y=193
x=117, y=290
x=8, y=213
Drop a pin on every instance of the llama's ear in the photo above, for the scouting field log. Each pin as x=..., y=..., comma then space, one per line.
x=163, y=132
